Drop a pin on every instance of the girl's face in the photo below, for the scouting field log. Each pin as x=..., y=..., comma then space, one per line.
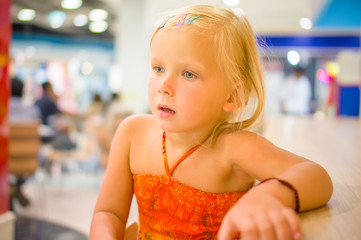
x=186, y=87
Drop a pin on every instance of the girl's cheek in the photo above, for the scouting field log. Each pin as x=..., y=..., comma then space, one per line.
x=152, y=88
x=191, y=93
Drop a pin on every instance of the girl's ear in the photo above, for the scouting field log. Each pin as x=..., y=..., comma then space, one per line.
x=231, y=104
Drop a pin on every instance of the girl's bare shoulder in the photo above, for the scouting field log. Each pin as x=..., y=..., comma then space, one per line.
x=135, y=127
x=138, y=122
x=242, y=139
x=256, y=155
x=243, y=144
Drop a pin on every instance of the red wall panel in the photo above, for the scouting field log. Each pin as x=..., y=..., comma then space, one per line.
x=5, y=34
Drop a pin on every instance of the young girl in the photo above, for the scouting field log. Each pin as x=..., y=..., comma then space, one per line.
x=191, y=164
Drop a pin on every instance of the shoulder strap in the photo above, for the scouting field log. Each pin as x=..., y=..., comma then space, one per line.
x=169, y=172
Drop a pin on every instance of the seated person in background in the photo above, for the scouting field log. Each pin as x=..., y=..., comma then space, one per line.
x=47, y=103
x=53, y=117
x=19, y=111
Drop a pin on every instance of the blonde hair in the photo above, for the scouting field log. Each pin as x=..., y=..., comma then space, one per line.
x=236, y=51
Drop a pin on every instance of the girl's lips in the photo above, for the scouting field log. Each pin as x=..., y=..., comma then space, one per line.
x=165, y=112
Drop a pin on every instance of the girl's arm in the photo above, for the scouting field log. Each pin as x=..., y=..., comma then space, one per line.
x=263, y=160
x=266, y=211
x=113, y=204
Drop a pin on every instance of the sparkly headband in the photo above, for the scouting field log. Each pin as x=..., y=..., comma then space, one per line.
x=183, y=19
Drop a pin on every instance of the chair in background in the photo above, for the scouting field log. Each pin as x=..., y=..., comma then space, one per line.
x=24, y=144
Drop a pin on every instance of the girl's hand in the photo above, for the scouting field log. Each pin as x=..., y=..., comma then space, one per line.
x=260, y=216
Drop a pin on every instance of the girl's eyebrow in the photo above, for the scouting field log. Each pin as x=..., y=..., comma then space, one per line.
x=154, y=59
x=195, y=65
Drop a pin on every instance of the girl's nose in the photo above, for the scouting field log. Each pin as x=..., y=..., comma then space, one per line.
x=166, y=86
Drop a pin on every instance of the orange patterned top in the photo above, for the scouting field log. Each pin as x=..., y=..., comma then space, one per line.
x=169, y=209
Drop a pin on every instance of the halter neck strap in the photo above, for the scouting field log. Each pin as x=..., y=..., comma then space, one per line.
x=169, y=172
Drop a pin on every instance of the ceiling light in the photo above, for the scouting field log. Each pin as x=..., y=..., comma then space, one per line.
x=80, y=20
x=231, y=2
x=305, y=23
x=71, y=4
x=26, y=14
x=293, y=57
x=57, y=19
x=98, y=26
x=98, y=15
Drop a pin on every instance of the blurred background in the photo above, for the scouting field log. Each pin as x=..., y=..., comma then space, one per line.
x=84, y=54
x=94, y=54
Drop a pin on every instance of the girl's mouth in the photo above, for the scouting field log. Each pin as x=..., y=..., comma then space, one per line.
x=167, y=110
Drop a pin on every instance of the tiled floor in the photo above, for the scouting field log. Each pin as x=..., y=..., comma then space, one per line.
x=65, y=197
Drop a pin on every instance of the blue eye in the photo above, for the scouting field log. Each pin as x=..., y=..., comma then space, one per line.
x=158, y=69
x=189, y=75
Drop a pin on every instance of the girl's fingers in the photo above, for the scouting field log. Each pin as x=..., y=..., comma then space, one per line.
x=227, y=230
x=265, y=228
x=248, y=229
x=294, y=223
x=246, y=226
x=281, y=227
